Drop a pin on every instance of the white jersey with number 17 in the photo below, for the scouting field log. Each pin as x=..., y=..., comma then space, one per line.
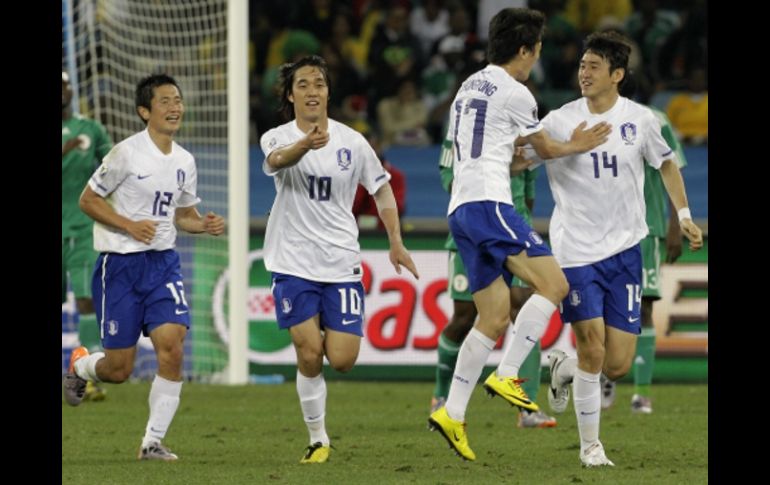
x=490, y=111
x=311, y=232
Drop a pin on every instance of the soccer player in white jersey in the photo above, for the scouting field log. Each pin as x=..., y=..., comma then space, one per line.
x=493, y=109
x=144, y=189
x=596, y=226
x=311, y=242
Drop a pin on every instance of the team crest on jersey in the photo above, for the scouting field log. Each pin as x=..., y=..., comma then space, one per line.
x=628, y=133
x=460, y=283
x=536, y=237
x=343, y=158
x=180, y=178
x=112, y=327
x=286, y=305
x=574, y=297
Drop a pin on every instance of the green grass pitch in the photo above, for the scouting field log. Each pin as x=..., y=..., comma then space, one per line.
x=255, y=435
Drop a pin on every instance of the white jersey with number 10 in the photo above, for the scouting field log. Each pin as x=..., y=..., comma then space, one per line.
x=311, y=232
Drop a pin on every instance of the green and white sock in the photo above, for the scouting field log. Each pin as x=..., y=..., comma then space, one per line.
x=447, y=358
x=88, y=333
x=530, y=370
x=644, y=362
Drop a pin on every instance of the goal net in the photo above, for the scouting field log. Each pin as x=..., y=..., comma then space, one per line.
x=107, y=47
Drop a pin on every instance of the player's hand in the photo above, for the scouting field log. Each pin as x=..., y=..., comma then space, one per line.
x=586, y=139
x=142, y=231
x=673, y=244
x=316, y=138
x=693, y=233
x=519, y=163
x=214, y=224
x=69, y=145
x=399, y=256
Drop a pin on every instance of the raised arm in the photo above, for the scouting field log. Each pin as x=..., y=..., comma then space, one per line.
x=291, y=154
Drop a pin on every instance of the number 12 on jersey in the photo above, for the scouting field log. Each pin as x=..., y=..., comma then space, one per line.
x=477, y=142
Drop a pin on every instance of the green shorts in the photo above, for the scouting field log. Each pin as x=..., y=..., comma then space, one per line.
x=77, y=259
x=458, y=279
x=651, y=267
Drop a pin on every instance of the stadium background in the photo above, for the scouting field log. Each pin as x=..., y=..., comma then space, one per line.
x=404, y=317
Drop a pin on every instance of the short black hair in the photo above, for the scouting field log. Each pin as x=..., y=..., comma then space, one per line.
x=513, y=28
x=613, y=47
x=286, y=80
x=146, y=88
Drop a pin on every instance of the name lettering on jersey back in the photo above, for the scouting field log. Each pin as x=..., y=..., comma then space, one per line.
x=480, y=85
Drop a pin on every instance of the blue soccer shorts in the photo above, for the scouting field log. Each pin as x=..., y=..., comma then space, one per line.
x=340, y=305
x=488, y=232
x=610, y=288
x=137, y=292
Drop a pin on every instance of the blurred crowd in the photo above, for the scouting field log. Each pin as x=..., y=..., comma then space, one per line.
x=395, y=65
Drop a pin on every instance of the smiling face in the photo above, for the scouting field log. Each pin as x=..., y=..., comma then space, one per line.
x=167, y=109
x=594, y=76
x=309, y=94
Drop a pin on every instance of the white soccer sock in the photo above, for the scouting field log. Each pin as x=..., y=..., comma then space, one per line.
x=312, y=400
x=164, y=401
x=529, y=327
x=588, y=409
x=85, y=367
x=470, y=362
x=565, y=373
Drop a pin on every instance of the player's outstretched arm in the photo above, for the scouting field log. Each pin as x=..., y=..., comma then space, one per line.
x=95, y=207
x=386, y=206
x=291, y=154
x=581, y=141
x=672, y=179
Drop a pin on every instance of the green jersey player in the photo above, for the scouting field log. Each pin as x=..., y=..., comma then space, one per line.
x=84, y=143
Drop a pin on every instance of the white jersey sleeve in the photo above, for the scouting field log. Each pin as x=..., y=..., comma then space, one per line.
x=655, y=149
x=113, y=170
x=271, y=141
x=523, y=109
x=373, y=175
x=188, y=187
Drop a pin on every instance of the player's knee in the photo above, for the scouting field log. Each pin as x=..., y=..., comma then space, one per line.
x=615, y=372
x=171, y=354
x=117, y=375
x=342, y=365
x=310, y=356
x=560, y=287
x=592, y=356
